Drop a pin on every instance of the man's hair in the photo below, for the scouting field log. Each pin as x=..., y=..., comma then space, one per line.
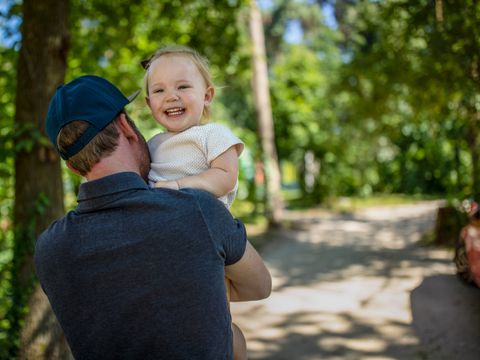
x=200, y=62
x=101, y=146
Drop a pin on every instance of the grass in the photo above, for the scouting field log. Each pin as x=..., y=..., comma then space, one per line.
x=350, y=204
x=354, y=203
x=246, y=211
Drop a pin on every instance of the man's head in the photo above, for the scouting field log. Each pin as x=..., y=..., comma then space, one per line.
x=83, y=121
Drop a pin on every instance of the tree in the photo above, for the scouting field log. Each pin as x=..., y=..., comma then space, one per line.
x=413, y=64
x=306, y=125
x=38, y=183
x=8, y=61
x=274, y=203
x=308, y=117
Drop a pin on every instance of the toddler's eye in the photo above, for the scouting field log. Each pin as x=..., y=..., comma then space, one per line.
x=157, y=90
x=181, y=87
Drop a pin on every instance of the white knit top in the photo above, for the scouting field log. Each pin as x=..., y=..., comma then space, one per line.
x=190, y=152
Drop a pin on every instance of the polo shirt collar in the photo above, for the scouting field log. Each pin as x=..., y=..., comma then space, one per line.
x=109, y=185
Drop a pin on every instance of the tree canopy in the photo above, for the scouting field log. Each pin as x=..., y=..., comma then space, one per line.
x=367, y=96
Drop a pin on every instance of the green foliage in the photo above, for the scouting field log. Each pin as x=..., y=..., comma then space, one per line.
x=386, y=101
x=111, y=38
x=7, y=92
x=16, y=300
x=6, y=245
x=409, y=92
x=304, y=120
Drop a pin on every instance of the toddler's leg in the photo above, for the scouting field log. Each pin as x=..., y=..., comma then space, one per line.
x=239, y=344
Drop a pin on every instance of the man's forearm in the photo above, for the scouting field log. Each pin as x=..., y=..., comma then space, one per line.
x=249, y=277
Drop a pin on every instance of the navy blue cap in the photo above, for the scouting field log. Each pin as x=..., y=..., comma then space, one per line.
x=89, y=98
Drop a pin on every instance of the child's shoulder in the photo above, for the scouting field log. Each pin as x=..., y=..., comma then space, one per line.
x=159, y=138
x=214, y=128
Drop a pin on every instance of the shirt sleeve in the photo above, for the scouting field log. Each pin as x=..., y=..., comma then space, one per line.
x=219, y=139
x=227, y=234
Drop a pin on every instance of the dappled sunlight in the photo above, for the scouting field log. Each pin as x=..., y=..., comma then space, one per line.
x=390, y=240
x=341, y=289
x=304, y=335
x=366, y=345
x=407, y=211
x=346, y=226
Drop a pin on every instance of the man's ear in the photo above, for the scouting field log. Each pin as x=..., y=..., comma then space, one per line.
x=72, y=168
x=125, y=128
x=209, y=95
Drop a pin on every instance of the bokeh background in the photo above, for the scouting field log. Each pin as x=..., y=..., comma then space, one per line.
x=364, y=101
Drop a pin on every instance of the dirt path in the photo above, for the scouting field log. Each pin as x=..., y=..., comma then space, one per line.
x=361, y=287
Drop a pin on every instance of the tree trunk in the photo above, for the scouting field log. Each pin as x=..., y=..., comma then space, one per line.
x=473, y=144
x=448, y=224
x=38, y=182
x=457, y=161
x=439, y=10
x=274, y=203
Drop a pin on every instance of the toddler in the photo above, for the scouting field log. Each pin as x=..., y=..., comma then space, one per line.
x=190, y=153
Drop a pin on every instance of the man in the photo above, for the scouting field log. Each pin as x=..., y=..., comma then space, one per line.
x=135, y=272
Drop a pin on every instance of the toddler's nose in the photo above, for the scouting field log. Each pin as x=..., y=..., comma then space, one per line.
x=172, y=96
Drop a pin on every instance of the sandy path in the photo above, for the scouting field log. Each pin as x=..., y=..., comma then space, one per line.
x=361, y=287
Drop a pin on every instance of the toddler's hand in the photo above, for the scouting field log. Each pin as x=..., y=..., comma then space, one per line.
x=167, y=184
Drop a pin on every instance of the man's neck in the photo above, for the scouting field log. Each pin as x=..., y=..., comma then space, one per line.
x=127, y=156
x=109, y=166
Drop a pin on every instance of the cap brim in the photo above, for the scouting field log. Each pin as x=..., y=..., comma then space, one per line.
x=134, y=95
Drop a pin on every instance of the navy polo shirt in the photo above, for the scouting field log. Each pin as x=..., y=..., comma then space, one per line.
x=138, y=273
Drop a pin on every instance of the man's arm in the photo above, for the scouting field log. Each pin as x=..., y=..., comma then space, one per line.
x=249, y=277
x=218, y=180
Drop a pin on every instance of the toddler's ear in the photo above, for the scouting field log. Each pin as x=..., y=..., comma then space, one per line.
x=209, y=95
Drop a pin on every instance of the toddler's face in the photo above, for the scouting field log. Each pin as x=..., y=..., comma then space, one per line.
x=177, y=93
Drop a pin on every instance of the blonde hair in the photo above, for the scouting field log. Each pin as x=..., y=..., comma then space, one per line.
x=200, y=62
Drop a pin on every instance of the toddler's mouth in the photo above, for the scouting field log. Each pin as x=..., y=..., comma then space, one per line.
x=175, y=111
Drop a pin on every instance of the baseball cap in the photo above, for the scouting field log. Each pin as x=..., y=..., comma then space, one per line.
x=89, y=98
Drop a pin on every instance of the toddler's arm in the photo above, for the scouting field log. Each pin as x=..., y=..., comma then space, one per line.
x=219, y=179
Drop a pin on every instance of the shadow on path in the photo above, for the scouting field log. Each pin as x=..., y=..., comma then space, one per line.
x=301, y=336
x=446, y=317
x=333, y=248
x=361, y=286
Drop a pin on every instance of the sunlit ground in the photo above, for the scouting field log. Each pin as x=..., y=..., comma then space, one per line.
x=342, y=287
